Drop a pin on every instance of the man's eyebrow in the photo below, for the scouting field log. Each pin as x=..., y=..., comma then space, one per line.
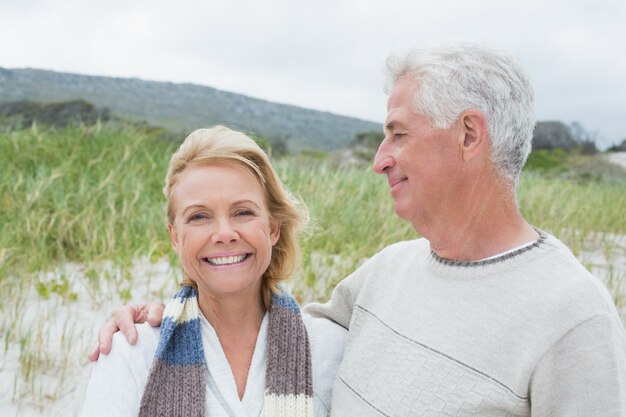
x=392, y=125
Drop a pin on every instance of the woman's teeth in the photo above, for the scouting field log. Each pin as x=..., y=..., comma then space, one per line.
x=226, y=260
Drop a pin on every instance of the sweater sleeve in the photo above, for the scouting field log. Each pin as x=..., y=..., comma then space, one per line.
x=118, y=379
x=342, y=300
x=584, y=373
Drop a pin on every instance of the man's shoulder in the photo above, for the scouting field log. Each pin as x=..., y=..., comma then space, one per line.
x=563, y=267
x=414, y=247
x=563, y=280
x=401, y=254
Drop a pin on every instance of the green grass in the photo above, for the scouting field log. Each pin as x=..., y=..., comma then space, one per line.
x=80, y=194
x=561, y=204
x=548, y=160
x=85, y=202
x=90, y=194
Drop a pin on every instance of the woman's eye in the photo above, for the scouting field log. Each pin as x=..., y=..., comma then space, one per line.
x=244, y=213
x=197, y=216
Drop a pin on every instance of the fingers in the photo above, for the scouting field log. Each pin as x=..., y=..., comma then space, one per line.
x=125, y=319
x=105, y=335
x=94, y=352
x=155, y=313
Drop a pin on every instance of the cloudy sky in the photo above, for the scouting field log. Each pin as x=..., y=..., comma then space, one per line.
x=328, y=54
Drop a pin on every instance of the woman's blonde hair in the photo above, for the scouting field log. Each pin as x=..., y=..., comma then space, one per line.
x=220, y=144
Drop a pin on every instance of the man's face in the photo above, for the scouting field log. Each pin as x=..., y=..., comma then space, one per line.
x=421, y=162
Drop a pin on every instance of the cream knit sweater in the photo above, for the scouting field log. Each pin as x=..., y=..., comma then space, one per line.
x=527, y=333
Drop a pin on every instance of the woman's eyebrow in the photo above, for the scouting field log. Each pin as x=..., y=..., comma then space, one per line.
x=235, y=203
x=193, y=206
x=245, y=201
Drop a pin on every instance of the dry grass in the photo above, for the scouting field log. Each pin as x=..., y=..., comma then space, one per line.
x=82, y=230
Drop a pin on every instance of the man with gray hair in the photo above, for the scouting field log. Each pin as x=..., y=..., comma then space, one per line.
x=485, y=315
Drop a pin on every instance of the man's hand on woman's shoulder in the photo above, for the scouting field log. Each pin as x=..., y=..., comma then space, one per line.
x=124, y=319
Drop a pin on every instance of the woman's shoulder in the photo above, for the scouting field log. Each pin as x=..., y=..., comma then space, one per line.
x=324, y=329
x=128, y=365
x=147, y=336
x=327, y=340
x=147, y=341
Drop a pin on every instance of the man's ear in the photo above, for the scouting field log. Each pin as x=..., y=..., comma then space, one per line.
x=173, y=237
x=474, y=135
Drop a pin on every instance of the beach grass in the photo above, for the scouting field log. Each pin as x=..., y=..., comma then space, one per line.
x=80, y=194
x=80, y=205
x=87, y=194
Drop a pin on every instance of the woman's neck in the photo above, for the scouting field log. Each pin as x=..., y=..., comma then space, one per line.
x=233, y=314
x=236, y=321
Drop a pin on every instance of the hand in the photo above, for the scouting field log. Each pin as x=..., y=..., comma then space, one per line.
x=124, y=319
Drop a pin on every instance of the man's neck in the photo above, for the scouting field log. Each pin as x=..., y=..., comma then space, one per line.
x=485, y=224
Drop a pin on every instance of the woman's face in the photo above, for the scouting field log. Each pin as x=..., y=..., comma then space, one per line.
x=222, y=232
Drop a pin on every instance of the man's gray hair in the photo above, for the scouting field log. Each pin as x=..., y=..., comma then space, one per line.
x=459, y=77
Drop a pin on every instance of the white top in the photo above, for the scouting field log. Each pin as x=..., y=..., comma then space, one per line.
x=525, y=245
x=530, y=333
x=118, y=379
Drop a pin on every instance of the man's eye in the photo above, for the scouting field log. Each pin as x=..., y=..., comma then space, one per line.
x=397, y=136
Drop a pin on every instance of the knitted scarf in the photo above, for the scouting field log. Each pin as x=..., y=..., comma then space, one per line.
x=176, y=384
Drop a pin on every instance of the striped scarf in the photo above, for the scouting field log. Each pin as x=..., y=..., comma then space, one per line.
x=176, y=385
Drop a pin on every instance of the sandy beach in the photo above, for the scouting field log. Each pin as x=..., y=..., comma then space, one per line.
x=43, y=365
x=56, y=333
x=45, y=374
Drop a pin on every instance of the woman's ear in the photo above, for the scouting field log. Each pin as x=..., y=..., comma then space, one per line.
x=274, y=232
x=475, y=134
x=173, y=237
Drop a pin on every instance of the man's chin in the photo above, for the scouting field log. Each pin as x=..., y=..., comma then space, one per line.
x=407, y=214
x=401, y=211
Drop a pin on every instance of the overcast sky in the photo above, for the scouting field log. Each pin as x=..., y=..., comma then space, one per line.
x=328, y=54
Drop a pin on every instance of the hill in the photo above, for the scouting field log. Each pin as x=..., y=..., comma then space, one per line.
x=22, y=114
x=183, y=107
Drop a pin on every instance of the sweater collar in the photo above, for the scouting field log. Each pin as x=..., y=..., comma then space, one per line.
x=449, y=268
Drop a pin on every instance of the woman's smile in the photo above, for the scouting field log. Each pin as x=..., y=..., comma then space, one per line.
x=227, y=260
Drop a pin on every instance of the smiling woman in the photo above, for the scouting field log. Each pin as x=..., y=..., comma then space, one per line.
x=232, y=342
x=222, y=231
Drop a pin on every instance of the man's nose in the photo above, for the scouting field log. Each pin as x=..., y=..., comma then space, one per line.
x=383, y=159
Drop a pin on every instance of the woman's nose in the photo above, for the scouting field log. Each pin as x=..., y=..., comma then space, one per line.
x=225, y=232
